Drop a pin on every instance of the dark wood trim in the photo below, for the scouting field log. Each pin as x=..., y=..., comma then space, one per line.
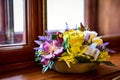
x=21, y=53
x=44, y=2
x=91, y=14
x=21, y=65
x=40, y=17
x=114, y=42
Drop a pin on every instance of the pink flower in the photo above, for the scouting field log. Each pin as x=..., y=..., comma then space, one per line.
x=52, y=50
x=47, y=47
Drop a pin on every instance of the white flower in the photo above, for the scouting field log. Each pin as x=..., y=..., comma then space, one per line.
x=90, y=33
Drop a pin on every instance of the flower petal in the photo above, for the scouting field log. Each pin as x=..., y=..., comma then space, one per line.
x=38, y=42
x=87, y=38
x=44, y=38
x=58, y=51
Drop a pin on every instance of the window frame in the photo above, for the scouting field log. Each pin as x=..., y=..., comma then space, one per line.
x=20, y=54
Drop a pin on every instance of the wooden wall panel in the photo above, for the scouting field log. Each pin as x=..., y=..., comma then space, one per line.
x=91, y=14
x=109, y=17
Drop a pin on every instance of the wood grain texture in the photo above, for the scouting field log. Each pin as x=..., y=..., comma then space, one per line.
x=109, y=17
x=91, y=14
x=113, y=42
x=16, y=66
x=102, y=73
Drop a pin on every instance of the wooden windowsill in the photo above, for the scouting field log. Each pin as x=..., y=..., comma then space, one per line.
x=103, y=72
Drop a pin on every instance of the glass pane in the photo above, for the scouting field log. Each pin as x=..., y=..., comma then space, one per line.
x=12, y=26
x=19, y=19
x=61, y=11
x=18, y=6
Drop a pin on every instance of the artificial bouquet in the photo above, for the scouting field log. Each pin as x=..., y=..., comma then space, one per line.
x=72, y=46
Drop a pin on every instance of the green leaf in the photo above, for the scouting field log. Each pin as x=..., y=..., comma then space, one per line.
x=108, y=63
x=54, y=37
x=37, y=59
x=96, y=62
x=83, y=59
x=45, y=68
x=50, y=64
x=36, y=52
x=79, y=28
x=66, y=44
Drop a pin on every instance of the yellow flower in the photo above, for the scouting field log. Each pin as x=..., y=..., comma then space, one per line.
x=82, y=51
x=68, y=58
x=77, y=35
x=73, y=34
x=75, y=49
x=97, y=40
x=74, y=37
x=76, y=42
x=103, y=56
x=43, y=53
x=67, y=33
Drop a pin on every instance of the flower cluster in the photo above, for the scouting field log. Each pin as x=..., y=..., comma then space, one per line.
x=72, y=46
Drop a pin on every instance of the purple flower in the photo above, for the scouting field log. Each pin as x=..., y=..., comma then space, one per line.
x=45, y=59
x=51, y=50
x=38, y=42
x=58, y=52
x=47, y=47
x=103, y=45
x=37, y=48
x=111, y=51
x=87, y=38
x=66, y=26
x=43, y=38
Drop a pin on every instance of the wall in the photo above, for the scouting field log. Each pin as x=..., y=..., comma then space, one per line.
x=109, y=17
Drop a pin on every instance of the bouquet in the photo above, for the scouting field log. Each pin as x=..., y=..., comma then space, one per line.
x=72, y=46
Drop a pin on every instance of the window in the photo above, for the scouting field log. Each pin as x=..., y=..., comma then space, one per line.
x=60, y=13
x=18, y=12
x=19, y=21
x=22, y=55
x=13, y=17
x=57, y=12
